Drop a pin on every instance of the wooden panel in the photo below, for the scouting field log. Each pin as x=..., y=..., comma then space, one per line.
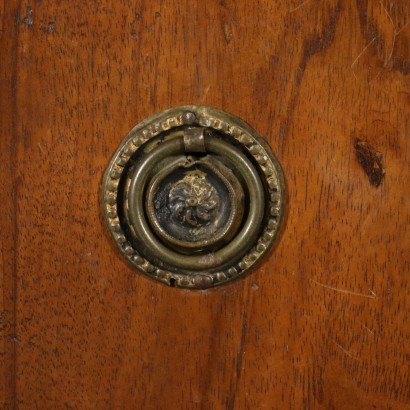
x=322, y=323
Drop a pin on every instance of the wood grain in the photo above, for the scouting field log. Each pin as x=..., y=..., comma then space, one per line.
x=323, y=323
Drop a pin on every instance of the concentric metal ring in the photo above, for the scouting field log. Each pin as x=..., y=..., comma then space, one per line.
x=233, y=249
x=124, y=216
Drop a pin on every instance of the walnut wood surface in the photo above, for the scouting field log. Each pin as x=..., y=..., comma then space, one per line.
x=323, y=323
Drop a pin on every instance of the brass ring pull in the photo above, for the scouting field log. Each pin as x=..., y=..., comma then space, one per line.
x=193, y=197
x=153, y=245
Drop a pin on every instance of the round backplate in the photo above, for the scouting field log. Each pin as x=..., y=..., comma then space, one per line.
x=193, y=197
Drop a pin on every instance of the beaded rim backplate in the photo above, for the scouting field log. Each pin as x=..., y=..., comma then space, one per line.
x=225, y=124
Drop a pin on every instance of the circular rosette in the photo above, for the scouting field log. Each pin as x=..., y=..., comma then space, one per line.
x=195, y=204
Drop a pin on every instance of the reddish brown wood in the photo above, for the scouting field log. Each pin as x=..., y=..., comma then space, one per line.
x=323, y=322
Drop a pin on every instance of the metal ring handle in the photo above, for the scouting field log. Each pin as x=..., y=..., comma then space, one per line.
x=192, y=203
x=240, y=243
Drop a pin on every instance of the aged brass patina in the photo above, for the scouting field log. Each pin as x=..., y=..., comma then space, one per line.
x=193, y=197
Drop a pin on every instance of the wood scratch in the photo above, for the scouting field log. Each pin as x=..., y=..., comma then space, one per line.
x=346, y=352
x=399, y=31
x=205, y=93
x=345, y=291
x=362, y=52
x=388, y=15
x=395, y=33
x=392, y=48
x=377, y=75
x=298, y=7
x=41, y=148
x=370, y=331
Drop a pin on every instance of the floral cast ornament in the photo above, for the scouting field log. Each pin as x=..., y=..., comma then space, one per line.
x=193, y=200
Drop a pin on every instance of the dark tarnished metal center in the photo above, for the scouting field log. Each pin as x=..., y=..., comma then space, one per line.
x=195, y=203
x=193, y=197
